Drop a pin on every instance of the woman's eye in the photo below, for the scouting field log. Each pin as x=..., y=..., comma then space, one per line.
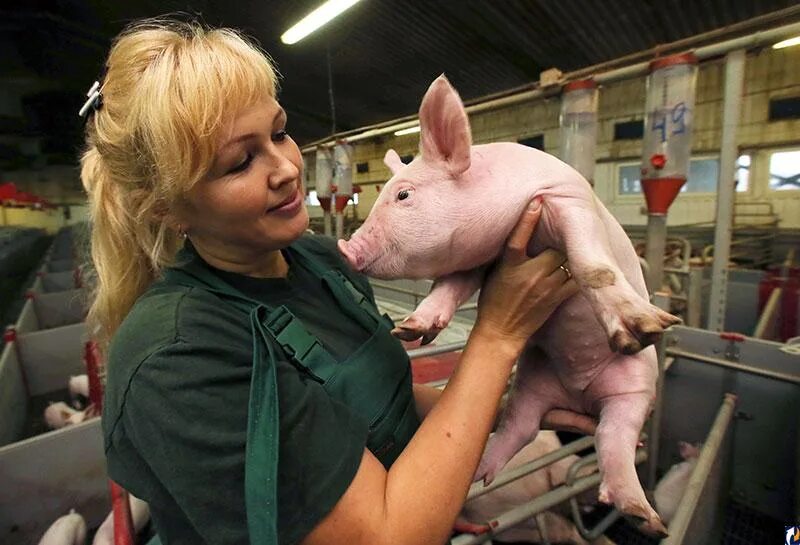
x=403, y=195
x=241, y=166
x=280, y=136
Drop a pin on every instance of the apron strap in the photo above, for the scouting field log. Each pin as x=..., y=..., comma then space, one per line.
x=300, y=345
x=263, y=438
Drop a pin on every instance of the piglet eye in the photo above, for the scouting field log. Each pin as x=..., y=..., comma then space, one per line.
x=403, y=195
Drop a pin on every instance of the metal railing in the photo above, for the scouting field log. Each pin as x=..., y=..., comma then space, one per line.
x=701, y=479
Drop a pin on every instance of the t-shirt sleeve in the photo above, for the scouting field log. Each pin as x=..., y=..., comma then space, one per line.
x=186, y=414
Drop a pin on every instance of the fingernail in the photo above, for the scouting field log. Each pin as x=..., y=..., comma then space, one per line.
x=535, y=204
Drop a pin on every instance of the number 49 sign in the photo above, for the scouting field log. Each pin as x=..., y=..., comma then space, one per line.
x=672, y=123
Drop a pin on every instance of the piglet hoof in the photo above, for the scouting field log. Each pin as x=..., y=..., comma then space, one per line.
x=414, y=327
x=640, y=329
x=640, y=514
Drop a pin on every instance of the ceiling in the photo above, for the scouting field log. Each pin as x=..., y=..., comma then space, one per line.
x=383, y=54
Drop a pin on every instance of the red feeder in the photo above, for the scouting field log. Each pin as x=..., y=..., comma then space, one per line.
x=660, y=193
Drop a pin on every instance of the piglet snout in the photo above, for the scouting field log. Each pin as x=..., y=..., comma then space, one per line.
x=351, y=254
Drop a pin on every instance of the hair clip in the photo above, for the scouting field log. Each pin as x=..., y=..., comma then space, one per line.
x=94, y=101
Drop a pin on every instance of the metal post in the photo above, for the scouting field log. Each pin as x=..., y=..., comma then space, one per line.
x=654, y=429
x=734, y=80
x=327, y=220
x=694, y=296
x=339, y=225
x=656, y=242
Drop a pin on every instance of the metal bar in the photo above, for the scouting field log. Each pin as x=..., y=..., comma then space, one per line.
x=785, y=377
x=734, y=81
x=654, y=429
x=694, y=296
x=477, y=489
x=797, y=481
x=577, y=518
x=339, y=225
x=396, y=289
x=768, y=316
x=654, y=252
x=327, y=222
x=542, y=503
x=435, y=350
x=686, y=508
x=601, y=77
x=787, y=264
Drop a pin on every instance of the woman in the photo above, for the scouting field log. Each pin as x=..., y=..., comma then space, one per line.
x=253, y=391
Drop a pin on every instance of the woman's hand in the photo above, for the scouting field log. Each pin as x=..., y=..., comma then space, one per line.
x=521, y=292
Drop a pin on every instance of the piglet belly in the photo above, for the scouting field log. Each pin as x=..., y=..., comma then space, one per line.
x=575, y=343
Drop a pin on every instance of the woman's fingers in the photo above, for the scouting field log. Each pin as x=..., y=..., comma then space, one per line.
x=517, y=244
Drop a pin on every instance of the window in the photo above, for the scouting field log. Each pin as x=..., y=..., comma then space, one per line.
x=784, y=108
x=629, y=130
x=742, y=173
x=533, y=142
x=784, y=170
x=703, y=176
x=361, y=168
x=312, y=200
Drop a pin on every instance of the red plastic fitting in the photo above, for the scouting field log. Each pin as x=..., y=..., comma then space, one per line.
x=658, y=161
x=731, y=336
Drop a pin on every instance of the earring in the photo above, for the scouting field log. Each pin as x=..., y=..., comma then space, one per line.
x=182, y=232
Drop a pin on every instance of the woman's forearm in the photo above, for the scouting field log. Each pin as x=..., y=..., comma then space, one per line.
x=435, y=470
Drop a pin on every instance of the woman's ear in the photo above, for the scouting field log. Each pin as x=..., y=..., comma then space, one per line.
x=171, y=219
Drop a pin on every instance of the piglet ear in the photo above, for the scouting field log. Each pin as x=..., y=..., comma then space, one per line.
x=392, y=160
x=688, y=450
x=444, y=128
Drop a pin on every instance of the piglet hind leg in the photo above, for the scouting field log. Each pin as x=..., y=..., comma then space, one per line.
x=529, y=400
x=630, y=321
x=621, y=419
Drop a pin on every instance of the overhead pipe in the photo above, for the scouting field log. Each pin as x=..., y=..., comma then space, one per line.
x=759, y=38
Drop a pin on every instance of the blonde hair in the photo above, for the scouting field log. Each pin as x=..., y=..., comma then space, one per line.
x=170, y=87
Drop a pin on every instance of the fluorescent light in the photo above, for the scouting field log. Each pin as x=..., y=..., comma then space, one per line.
x=410, y=130
x=316, y=19
x=787, y=43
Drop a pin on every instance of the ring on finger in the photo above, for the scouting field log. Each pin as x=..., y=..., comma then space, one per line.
x=566, y=271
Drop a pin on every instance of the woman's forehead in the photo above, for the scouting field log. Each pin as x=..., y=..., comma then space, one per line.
x=257, y=115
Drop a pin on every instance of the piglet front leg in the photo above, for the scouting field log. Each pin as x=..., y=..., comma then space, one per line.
x=437, y=309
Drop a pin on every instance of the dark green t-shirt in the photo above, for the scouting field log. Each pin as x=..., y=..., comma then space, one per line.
x=175, y=413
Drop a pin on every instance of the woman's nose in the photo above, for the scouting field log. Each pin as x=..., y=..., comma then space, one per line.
x=284, y=171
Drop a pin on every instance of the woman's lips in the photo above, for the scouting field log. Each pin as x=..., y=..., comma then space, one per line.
x=288, y=207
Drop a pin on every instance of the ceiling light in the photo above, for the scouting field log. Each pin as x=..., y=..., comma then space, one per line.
x=410, y=130
x=315, y=19
x=787, y=43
